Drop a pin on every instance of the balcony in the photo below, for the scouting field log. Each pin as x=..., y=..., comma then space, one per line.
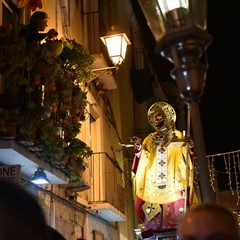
x=26, y=155
x=106, y=211
x=42, y=101
x=108, y=192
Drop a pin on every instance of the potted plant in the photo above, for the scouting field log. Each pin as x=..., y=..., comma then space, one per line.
x=51, y=100
x=74, y=157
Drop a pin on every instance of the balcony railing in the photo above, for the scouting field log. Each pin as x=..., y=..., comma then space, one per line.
x=107, y=191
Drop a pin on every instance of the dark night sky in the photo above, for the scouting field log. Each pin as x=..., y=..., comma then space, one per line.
x=220, y=105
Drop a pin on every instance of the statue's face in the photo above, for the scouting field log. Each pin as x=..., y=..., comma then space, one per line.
x=159, y=120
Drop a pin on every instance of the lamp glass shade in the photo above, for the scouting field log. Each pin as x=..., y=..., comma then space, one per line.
x=39, y=177
x=168, y=16
x=154, y=17
x=166, y=5
x=117, y=46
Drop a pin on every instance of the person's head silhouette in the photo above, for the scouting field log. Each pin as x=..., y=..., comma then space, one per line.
x=208, y=221
x=21, y=217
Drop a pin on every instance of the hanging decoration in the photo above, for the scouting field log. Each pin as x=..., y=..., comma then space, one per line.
x=230, y=163
x=32, y=4
x=225, y=166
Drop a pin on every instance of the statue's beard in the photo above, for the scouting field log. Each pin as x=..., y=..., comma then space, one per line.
x=160, y=126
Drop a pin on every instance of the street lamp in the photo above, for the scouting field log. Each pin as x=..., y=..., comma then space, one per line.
x=39, y=177
x=180, y=30
x=116, y=44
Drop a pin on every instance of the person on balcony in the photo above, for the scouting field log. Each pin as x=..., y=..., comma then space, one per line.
x=163, y=172
x=34, y=31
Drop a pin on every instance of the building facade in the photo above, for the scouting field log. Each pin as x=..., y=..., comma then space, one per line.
x=101, y=207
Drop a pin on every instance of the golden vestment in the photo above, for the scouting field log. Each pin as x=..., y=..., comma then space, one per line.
x=162, y=173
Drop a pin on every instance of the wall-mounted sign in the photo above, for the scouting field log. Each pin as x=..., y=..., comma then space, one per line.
x=10, y=173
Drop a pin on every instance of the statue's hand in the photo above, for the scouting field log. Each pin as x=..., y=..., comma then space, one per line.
x=137, y=142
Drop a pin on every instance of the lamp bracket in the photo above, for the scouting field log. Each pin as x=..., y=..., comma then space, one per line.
x=103, y=69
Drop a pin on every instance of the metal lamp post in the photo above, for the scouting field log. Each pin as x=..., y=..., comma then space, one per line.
x=179, y=27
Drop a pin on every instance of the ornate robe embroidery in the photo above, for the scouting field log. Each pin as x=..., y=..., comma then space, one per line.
x=161, y=173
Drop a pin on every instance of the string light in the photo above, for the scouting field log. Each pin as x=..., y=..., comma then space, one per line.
x=196, y=179
x=232, y=170
x=238, y=161
x=211, y=171
x=237, y=214
x=236, y=177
